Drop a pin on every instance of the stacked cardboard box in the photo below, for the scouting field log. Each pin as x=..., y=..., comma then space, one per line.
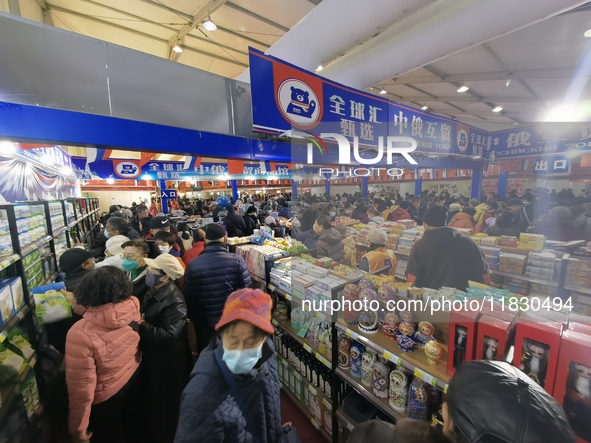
x=578, y=272
x=512, y=263
x=541, y=265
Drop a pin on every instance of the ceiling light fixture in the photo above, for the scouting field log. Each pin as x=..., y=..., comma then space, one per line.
x=319, y=68
x=497, y=109
x=463, y=88
x=383, y=91
x=424, y=108
x=177, y=48
x=587, y=33
x=209, y=25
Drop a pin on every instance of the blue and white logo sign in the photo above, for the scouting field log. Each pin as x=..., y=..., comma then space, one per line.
x=130, y=170
x=298, y=102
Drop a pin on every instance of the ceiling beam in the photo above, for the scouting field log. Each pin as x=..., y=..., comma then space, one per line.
x=144, y=34
x=168, y=8
x=202, y=13
x=244, y=37
x=257, y=16
x=525, y=74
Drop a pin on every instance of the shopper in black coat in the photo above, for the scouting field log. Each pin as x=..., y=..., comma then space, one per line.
x=234, y=223
x=210, y=278
x=166, y=361
x=250, y=220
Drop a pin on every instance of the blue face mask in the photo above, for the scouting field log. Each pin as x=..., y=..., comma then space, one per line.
x=242, y=362
x=107, y=236
x=129, y=265
x=153, y=279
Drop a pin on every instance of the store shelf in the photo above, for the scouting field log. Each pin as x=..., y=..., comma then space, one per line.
x=28, y=248
x=13, y=322
x=59, y=231
x=8, y=259
x=349, y=423
x=402, y=254
x=307, y=413
x=378, y=402
x=414, y=362
x=306, y=344
x=258, y=279
x=578, y=289
x=9, y=392
x=538, y=281
x=49, y=279
x=309, y=386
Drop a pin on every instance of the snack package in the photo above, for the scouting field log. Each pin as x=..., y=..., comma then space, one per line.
x=11, y=366
x=24, y=347
x=51, y=306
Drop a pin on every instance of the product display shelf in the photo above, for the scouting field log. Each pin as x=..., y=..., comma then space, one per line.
x=38, y=244
x=304, y=342
x=580, y=289
x=347, y=421
x=16, y=318
x=413, y=362
x=8, y=259
x=258, y=279
x=8, y=393
x=377, y=402
x=538, y=281
x=305, y=411
x=309, y=386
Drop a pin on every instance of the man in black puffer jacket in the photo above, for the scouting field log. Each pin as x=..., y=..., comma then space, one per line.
x=210, y=278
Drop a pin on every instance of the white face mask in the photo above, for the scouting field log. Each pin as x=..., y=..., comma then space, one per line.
x=332, y=214
x=242, y=362
x=163, y=249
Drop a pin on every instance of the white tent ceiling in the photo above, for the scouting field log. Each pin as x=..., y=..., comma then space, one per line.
x=528, y=72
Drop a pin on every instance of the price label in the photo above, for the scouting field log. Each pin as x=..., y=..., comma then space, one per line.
x=312, y=390
x=274, y=322
x=271, y=288
x=426, y=377
x=3, y=336
x=287, y=296
x=327, y=404
x=445, y=389
x=316, y=425
x=351, y=334
x=418, y=373
x=308, y=348
x=20, y=315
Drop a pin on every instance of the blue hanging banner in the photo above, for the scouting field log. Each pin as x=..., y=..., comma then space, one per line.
x=285, y=97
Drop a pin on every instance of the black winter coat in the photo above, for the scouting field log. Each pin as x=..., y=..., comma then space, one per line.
x=209, y=412
x=235, y=225
x=210, y=278
x=166, y=359
x=250, y=225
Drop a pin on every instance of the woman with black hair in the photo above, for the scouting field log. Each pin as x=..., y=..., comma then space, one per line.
x=504, y=226
x=134, y=253
x=251, y=220
x=102, y=359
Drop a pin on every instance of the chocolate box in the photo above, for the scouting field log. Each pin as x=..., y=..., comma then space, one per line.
x=493, y=338
x=537, y=344
x=462, y=338
x=573, y=382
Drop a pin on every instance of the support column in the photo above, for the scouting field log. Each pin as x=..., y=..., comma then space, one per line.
x=364, y=187
x=418, y=186
x=234, y=190
x=327, y=189
x=502, y=188
x=294, y=190
x=163, y=196
x=476, y=182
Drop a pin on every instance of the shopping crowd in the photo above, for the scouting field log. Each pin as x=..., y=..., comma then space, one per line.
x=151, y=297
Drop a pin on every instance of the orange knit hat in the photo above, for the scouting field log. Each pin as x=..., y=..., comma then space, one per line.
x=250, y=305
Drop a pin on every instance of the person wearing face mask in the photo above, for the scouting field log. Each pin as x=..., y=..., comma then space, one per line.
x=233, y=394
x=166, y=362
x=134, y=253
x=113, y=252
x=329, y=241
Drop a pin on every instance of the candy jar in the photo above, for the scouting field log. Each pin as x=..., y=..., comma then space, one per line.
x=425, y=332
x=398, y=390
x=368, y=318
x=344, y=352
x=405, y=337
x=356, y=353
x=418, y=400
x=386, y=293
x=433, y=351
x=351, y=295
x=380, y=379
x=368, y=360
x=390, y=326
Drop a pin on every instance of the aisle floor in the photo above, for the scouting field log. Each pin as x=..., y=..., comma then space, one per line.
x=290, y=413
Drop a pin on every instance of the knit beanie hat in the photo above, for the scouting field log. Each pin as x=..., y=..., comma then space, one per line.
x=284, y=213
x=73, y=258
x=214, y=232
x=378, y=237
x=249, y=305
x=435, y=216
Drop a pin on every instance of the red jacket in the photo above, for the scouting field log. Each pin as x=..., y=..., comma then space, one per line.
x=102, y=354
x=399, y=214
x=193, y=252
